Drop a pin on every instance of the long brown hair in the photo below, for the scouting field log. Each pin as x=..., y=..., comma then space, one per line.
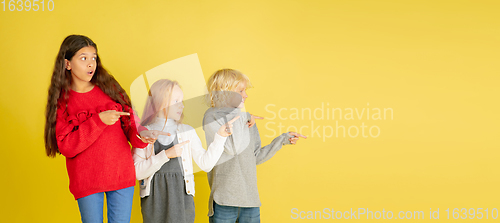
x=61, y=82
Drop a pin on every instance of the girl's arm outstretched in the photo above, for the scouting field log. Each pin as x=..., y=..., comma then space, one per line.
x=132, y=129
x=206, y=159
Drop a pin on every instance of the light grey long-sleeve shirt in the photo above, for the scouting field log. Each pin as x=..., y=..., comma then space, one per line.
x=233, y=181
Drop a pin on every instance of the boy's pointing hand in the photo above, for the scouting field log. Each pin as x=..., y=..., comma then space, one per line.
x=296, y=137
x=252, y=120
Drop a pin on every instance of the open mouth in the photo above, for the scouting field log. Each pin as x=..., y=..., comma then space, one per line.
x=90, y=72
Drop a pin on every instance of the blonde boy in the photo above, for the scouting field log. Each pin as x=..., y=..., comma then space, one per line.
x=233, y=181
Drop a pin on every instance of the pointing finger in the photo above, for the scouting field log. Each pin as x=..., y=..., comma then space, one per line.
x=183, y=143
x=257, y=117
x=297, y=135
x=162, y=133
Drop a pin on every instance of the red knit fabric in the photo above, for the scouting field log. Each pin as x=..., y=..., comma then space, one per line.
x=98, y=156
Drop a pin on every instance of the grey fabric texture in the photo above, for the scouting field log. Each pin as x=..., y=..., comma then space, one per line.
x=168, y=201
x=233, y=181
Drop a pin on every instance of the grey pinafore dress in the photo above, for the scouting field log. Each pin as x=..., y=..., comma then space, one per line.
x=168, y=200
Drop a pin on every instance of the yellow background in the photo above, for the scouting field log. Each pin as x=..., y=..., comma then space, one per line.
x=435, y=63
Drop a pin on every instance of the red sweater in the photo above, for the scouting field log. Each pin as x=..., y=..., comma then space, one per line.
x=98, y=156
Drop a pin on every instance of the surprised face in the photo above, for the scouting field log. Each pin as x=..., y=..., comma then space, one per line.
x=82, y=66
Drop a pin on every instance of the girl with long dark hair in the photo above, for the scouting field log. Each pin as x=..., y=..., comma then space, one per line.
x=89, y=120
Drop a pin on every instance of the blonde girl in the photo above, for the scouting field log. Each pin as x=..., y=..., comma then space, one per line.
x=165, y=168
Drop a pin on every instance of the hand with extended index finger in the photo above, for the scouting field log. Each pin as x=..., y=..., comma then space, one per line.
x=150, y=136
x=252, y=120
x=176, y=150
x=110, y=117
x=227, y=129
x=296, y=137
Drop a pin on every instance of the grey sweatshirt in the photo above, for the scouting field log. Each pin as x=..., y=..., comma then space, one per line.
x=233, y=181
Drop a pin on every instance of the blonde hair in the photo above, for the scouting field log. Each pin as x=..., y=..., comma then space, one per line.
x=158, y=100
x=220, y=85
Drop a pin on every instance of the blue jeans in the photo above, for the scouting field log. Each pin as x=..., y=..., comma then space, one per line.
x=119, y=206
x=229, y=214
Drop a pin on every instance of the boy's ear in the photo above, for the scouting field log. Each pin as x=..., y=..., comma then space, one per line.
x=68, y=64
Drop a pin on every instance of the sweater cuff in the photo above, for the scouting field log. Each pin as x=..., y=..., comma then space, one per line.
x=219, y=139
x=135, y=139
x=98, y=121
x=287, y=138
x=162, y=156
x=141, y=128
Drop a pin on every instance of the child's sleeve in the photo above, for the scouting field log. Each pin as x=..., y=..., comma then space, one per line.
x=75, y=133
x=146, y=162
x=235, y=143
x=211, y=125
x=206, y=159
x=133, y=128
x=265, y=153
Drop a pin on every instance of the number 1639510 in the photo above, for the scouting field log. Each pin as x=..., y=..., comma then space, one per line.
x=28, y=5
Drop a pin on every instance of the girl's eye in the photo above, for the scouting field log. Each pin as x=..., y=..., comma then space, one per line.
x=84, y=58
x=94, y=58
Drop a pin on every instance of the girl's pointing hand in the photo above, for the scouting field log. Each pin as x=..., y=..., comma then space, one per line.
x=110, y=117
x=150, y=136
x=227, y=129
x=176, y=150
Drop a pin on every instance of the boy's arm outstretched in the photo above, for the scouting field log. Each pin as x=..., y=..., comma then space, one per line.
x=263, y=154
